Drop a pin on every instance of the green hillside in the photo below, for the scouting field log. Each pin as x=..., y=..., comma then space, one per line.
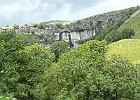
x=129, y=48
x=133, y=23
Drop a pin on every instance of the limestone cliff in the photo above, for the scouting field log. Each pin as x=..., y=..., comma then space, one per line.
x=77, y=30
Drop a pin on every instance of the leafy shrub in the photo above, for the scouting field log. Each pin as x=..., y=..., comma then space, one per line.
x=127, y=33
x=58, y=48
x=113, y=36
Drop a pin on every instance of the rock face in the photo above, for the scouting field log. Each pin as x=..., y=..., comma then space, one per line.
x=88, y=27
x=78, y=30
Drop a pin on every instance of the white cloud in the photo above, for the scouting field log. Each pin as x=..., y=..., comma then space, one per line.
x=27, y=11
x=8, y=10
x=105, y=6
x=112, y=5
x=63, y=13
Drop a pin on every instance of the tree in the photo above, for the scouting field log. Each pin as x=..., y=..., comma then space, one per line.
x=127, y=33
x=123, y=79
x=113, y=36
x=60, y=25
x=84, y=73
x=58, y=48
x=35, y=25
x=77, y=64
x=21, y=67
x=71, y=69
x=41, y=26
x=32, y=61
x=116, y=35
x=9, y=46
x=104, y=32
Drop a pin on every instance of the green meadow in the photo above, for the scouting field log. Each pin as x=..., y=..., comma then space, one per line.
x=128, y=48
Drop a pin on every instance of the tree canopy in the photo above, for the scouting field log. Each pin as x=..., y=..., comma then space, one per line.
x=84, y=73
x=81, y=73
x=21, y=66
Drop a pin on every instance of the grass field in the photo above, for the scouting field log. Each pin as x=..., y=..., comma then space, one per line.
x=129, y=48
x=133, y=23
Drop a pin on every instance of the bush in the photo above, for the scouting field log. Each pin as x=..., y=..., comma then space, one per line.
x=113, y=36
x=116, y=35
x=58, y=48
x=127, y=33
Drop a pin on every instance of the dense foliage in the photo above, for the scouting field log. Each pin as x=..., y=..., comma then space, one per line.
x=113, y=36
x=58, y=47
x=104, y=32
x=116, y=35
x=21, y=66
x=82, y=73
x=30, y=39
x=127, y=33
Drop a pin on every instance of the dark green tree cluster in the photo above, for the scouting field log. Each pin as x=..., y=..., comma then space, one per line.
x=40, y=26
x=21, y=66
x=111, y=34
x=104, y=32
x=60, y=25
x=116, y=35
x=127, y=33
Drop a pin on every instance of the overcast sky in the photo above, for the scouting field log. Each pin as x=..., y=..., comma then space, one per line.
x=28, y=11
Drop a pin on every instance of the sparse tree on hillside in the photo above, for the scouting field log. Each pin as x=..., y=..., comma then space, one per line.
x=113, y=36
x=127, y=33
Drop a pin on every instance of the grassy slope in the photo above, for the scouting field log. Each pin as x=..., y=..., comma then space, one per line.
x=129, y=48
x=133, y=23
